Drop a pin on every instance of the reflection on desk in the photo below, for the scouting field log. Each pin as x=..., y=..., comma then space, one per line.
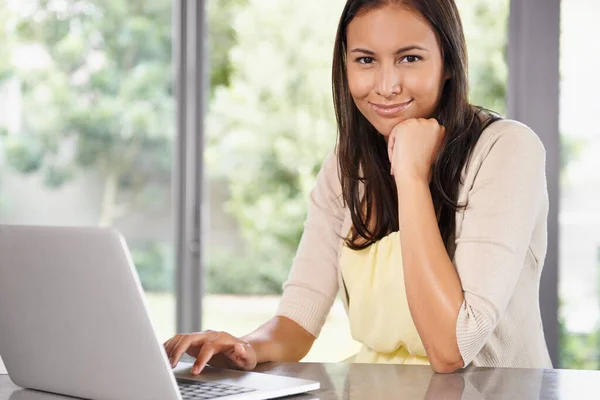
x=24, y=394
x=376, y=381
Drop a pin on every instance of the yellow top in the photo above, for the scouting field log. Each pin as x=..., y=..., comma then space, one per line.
x=378, y=307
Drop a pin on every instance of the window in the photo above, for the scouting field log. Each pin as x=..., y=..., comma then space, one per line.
x=579, y=216
x=87, y=126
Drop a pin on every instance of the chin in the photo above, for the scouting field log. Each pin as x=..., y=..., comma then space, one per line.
x=386, y=127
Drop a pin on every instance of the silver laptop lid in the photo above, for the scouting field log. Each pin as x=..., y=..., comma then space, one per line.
x=73, y=319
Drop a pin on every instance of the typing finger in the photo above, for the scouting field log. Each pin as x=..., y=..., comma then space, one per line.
x=171, y=343
x=181, y=347
x=206, y=353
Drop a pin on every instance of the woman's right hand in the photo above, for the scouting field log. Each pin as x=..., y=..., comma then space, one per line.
x=218, y=349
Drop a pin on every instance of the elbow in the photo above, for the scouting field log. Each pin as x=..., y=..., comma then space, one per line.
x=444, y=354
x=296, y=350
x=446, y=362
x=446, y=367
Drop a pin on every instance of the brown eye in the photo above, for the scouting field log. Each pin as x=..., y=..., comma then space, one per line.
x=365, y=60
x=411, y=59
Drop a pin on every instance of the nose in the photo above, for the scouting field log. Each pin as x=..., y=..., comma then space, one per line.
x=388, y=82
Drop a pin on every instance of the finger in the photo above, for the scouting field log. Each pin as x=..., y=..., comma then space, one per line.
x=390, y=146
x=171, y=344
x=180, y=349
x=206, y=353
x=197, y=339
x=390, y=149
x=166, y=344
x=169, y=341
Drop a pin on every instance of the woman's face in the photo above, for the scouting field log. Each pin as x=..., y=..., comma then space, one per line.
x=394, y=66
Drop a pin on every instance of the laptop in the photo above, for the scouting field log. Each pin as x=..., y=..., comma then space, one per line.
x=73, y=321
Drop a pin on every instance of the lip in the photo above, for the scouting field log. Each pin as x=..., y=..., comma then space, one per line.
x=390, y=110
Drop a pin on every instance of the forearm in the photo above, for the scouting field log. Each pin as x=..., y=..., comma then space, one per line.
x=280, y=339
x=433, y=287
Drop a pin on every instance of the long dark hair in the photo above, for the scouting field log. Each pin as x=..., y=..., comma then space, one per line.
x=362, y=151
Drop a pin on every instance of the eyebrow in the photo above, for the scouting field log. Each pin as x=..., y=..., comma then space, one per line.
x=399, y=51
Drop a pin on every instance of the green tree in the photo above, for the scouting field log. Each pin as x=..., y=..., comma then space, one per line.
x=6, y=38
x=570, y=150
x=105, y=99
x=269, y=131
x=222, y=38
x=6, y=70
x=99, y=96
x=485, y=24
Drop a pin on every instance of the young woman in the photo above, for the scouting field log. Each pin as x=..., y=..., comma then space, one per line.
x=429, y=217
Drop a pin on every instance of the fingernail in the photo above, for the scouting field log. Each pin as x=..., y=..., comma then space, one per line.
x=196, y=370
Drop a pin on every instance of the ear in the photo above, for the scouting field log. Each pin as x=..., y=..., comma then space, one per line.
x=447, y=75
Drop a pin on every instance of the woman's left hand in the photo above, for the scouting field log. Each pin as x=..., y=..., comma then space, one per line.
x=413, y=146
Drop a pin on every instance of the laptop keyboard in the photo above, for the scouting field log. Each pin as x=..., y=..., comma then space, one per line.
x=209, y=390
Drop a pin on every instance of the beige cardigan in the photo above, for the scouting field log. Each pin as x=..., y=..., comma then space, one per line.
x=498, y=251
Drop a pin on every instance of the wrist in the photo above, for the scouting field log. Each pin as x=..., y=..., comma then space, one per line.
x=266, y=350
x=409, y=178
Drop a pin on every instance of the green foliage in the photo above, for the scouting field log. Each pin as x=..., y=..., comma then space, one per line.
x=269, y=131
x=570, y=149
x=154, y=264
x=99, y=95
x=579, y=351
x=24, y=155
x=248, y=274
x=222, y=38
x=102, y=99
x=485, y=24
x=107, y=89
x=7, y=22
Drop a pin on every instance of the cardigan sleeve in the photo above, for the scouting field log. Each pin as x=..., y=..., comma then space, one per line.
x=312, y=285
x=504, y=203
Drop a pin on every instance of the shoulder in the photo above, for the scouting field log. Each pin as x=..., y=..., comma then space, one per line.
x=328, y=185
x=329, y=173
x=512, y=136
x=330, y=164
x=508, y=139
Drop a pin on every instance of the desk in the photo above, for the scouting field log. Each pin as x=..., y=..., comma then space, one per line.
x=374, y=382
